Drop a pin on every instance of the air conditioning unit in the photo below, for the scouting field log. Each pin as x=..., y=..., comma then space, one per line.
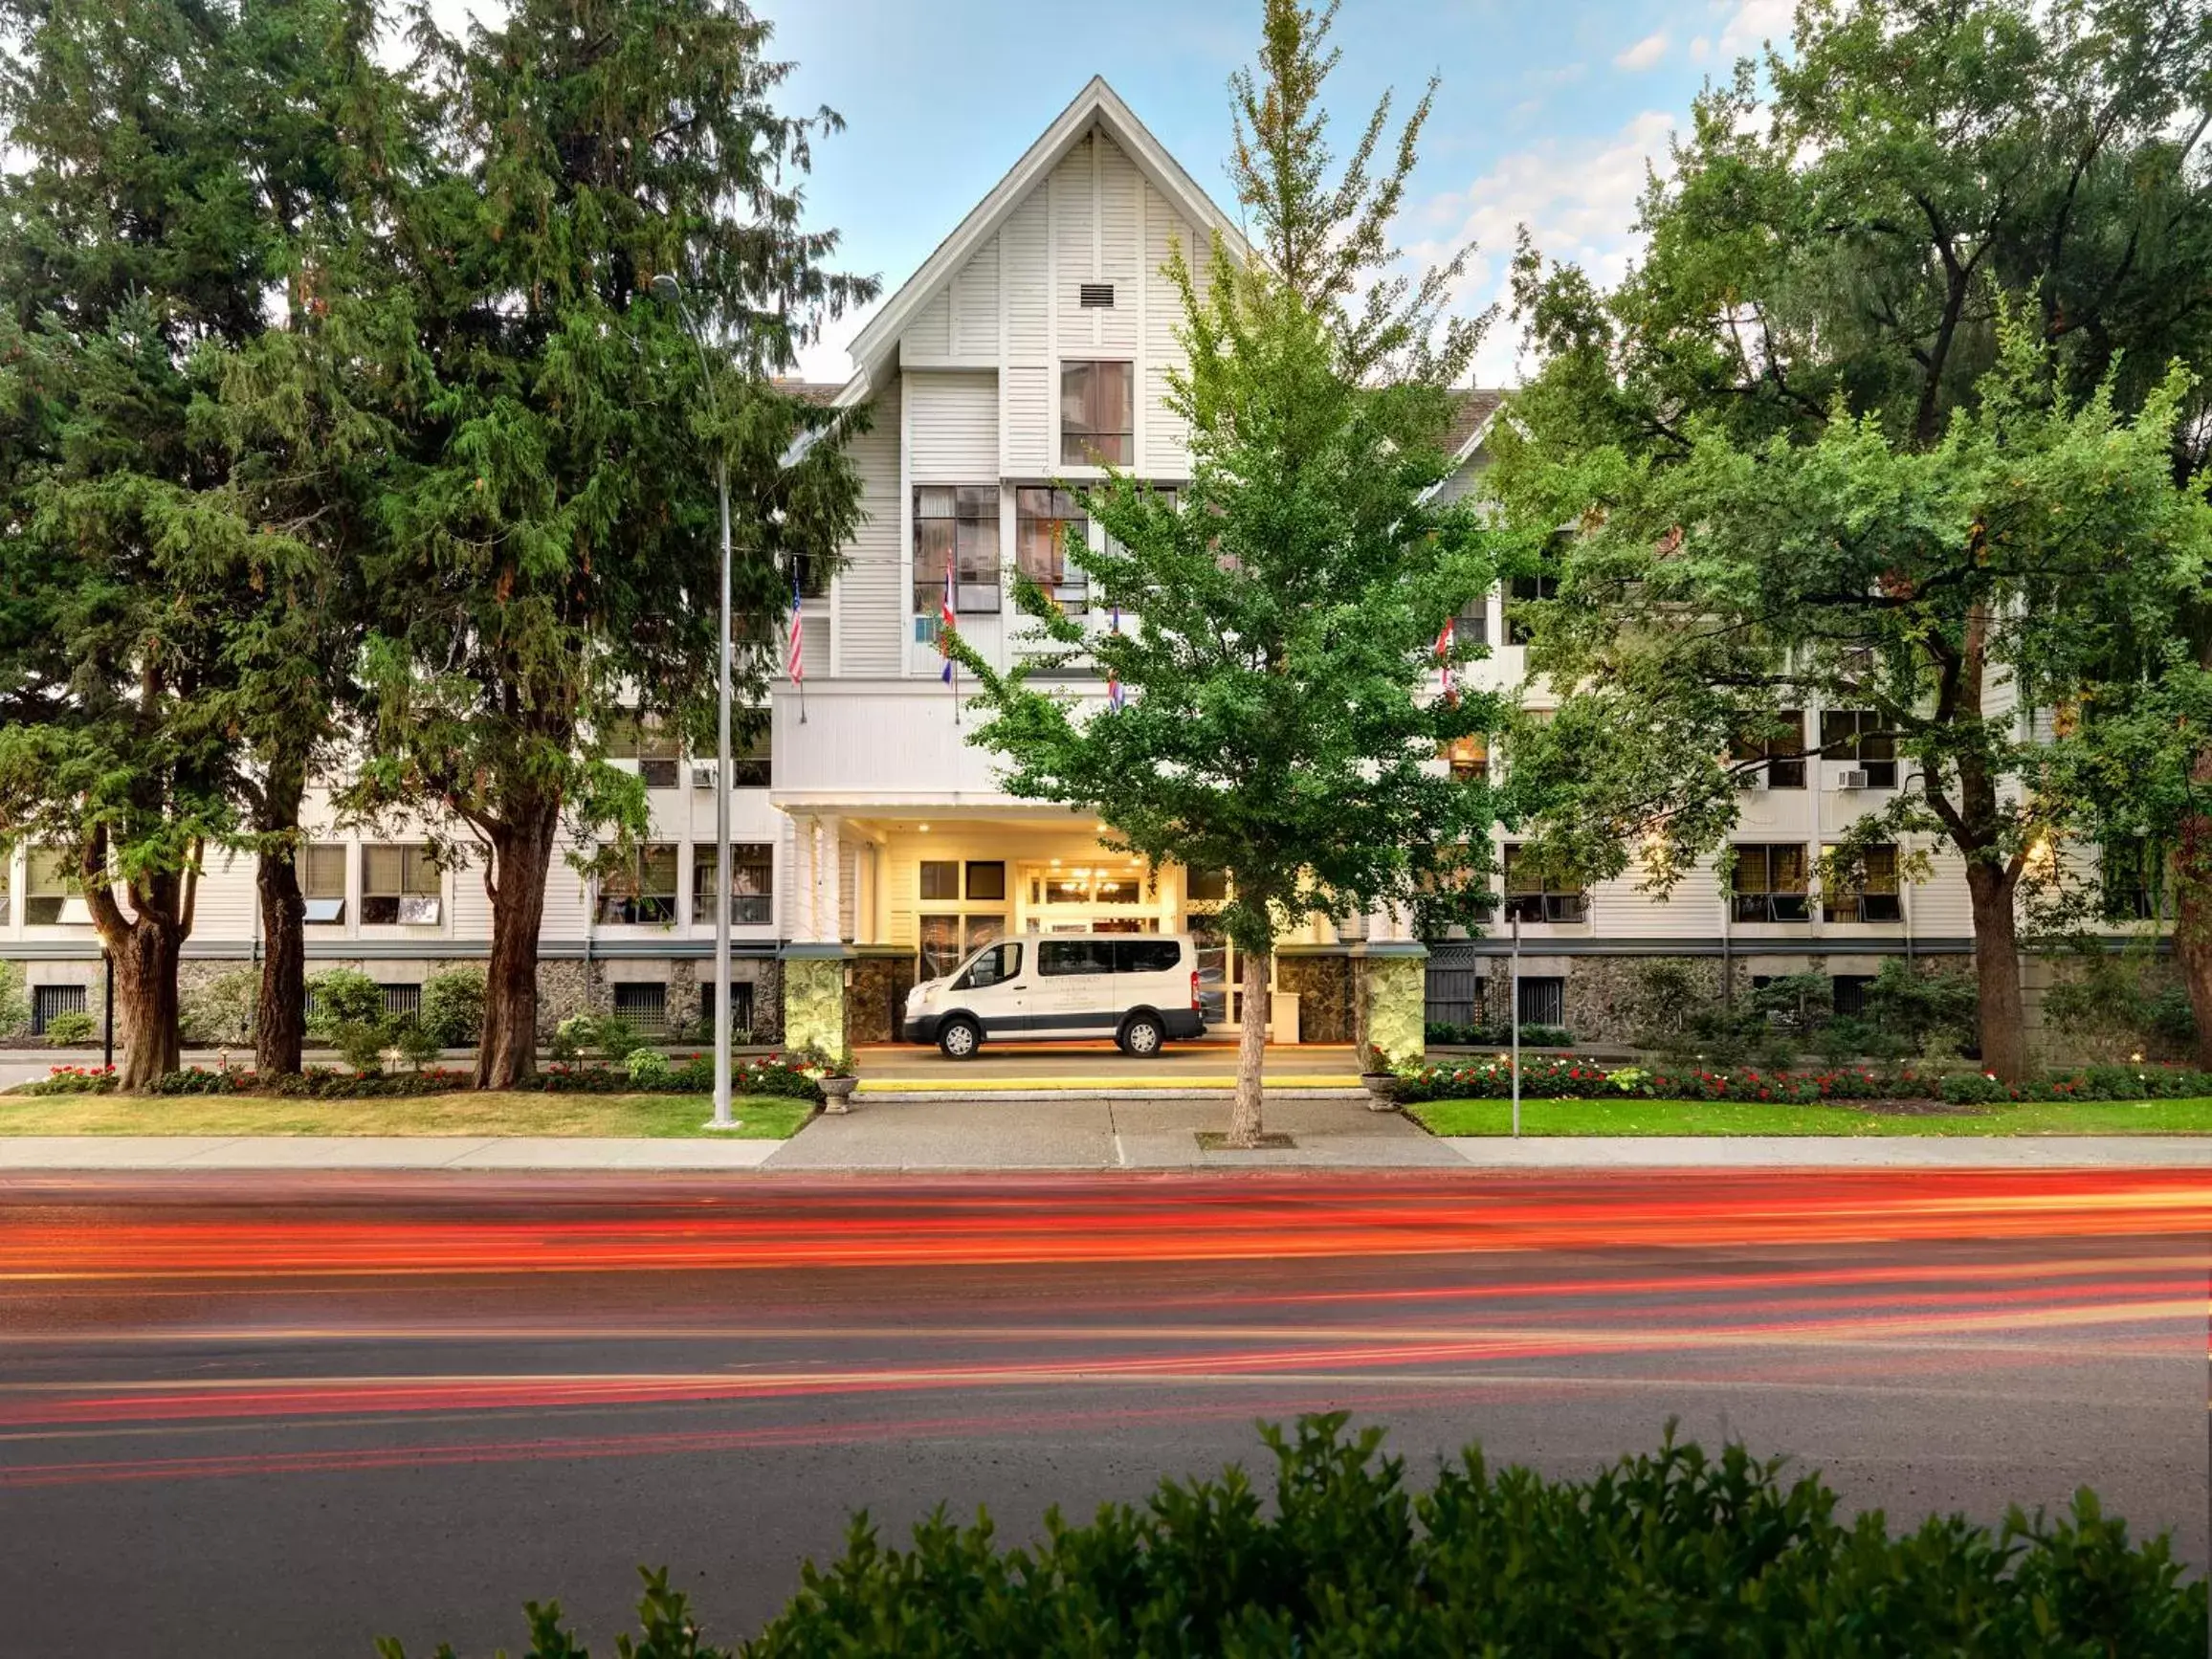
x=702, y=774
x=1851, y=778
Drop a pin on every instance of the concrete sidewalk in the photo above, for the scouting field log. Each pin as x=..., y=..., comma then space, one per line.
x=1092, y=1136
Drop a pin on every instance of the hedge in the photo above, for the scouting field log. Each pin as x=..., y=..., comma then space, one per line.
x=692, y=1075
x=1563, y=1077
x=1673, y=1553
x=1444, y=1034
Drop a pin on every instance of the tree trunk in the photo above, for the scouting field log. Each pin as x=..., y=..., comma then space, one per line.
x=1997, y=972
x=1252, y=1051
x=146, y=995
x=521, y=854
x=280, y=1005
x=2192, y=918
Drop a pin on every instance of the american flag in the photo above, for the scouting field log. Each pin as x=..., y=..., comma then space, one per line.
x=794, y=654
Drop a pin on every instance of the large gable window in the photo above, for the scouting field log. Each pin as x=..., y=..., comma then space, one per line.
x=1097, y=414
x=1043, y=522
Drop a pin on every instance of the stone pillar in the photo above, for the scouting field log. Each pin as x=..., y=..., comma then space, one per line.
x=1396, y=977
x=814, y=995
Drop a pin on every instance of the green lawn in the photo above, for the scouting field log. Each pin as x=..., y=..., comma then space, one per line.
x=459, y=1112
x=1628, y=1116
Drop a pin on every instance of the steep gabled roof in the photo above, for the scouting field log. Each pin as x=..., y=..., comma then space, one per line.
x=1097, y=105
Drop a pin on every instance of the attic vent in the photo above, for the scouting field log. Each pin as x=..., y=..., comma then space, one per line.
x=1097, y=295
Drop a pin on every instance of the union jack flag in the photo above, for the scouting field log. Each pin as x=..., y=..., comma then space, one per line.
x=1444, y=644
x=946, y=623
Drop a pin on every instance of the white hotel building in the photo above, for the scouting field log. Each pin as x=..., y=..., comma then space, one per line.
x=873, y=841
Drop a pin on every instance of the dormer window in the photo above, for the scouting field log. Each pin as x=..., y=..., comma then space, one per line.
x=1097, y=414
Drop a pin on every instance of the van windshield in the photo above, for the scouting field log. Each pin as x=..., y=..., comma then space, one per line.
x=994, y=967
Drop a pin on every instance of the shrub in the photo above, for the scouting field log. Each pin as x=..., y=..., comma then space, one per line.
x=71, y=1081
x=452, y=1007
x=418, y=1045
x=648, y=1067
x=1929, y=1014
x=14, y=1001
x=1495, y=1036
x=602, y=1035
x=1668, y=1553
x=346, y=1009
x=68, y=1030
x=219, y=1011
x=1975, y=1089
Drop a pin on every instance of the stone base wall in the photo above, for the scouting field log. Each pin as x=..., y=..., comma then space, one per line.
x=876, y=1001
x=814, y=1002
x=1395, y=1000
x=1324, y=987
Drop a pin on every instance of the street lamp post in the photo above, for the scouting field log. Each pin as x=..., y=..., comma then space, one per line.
x=666, y=287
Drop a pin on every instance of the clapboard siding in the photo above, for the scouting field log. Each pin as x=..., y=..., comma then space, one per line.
x=1029, y=422
x=1120, y=247
x=1166, y=439
x=871, y=614
x=953, y=426
x=975, y=307
x=1023, y=247
x=1073, y=249
x=931, y=333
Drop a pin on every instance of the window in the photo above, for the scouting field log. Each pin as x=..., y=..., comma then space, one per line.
x=1472, y=625
x=51, y=1002
x=1851, y=995
x=1769, y=883
x=813, y=573
x=987, y=880
x=1044, y=520
x=1543, y=1001
x=398, y=884
x=940, y=945
x=956, y=527
x=1523, y=590
x=1873, y=896
x=1783, y=750
x=1856, y=737
x=7, y=869
x=2132, y=873
x=1117, y=890
x=1205, y=886
x=752, y=884
x=994, y=967
x=1056, y=957
x=752, y=755
x=1146, y=955
x=1532, y=896
x=643, y=892
x=740, y=1007
x=47, y=901
x=1097, y=414
x=641, y=1007
x=939, y=878
x=322, y=882
x=631, y=736
x=1467, y=757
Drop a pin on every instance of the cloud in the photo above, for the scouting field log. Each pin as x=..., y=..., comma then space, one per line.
x=1753, y=24
x=1579, y=198
x=1645, y=53
x=828, y=358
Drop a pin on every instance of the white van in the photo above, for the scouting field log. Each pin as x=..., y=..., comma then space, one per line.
x=1139, y=987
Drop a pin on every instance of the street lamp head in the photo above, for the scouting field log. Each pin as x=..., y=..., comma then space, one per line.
x=667, y=287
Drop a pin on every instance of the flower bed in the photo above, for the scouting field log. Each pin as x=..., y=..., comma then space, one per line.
x=1549, y=1077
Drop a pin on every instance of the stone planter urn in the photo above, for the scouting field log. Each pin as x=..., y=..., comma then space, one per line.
x=837, y=1092
x=1381, y=1090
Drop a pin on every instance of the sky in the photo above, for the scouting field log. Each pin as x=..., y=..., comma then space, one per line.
x=1548, y=114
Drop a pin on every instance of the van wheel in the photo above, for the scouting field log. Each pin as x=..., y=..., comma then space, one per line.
x=1143, y=1036
x=960, y=1039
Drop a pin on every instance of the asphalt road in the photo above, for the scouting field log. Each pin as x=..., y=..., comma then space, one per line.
x=284, y=1414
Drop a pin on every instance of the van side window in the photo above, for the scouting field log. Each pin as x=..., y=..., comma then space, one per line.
x=1146, y=955
x=1076, y=955
x=994, y=967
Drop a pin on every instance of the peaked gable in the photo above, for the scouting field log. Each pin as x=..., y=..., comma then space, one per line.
x=1097, y=107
